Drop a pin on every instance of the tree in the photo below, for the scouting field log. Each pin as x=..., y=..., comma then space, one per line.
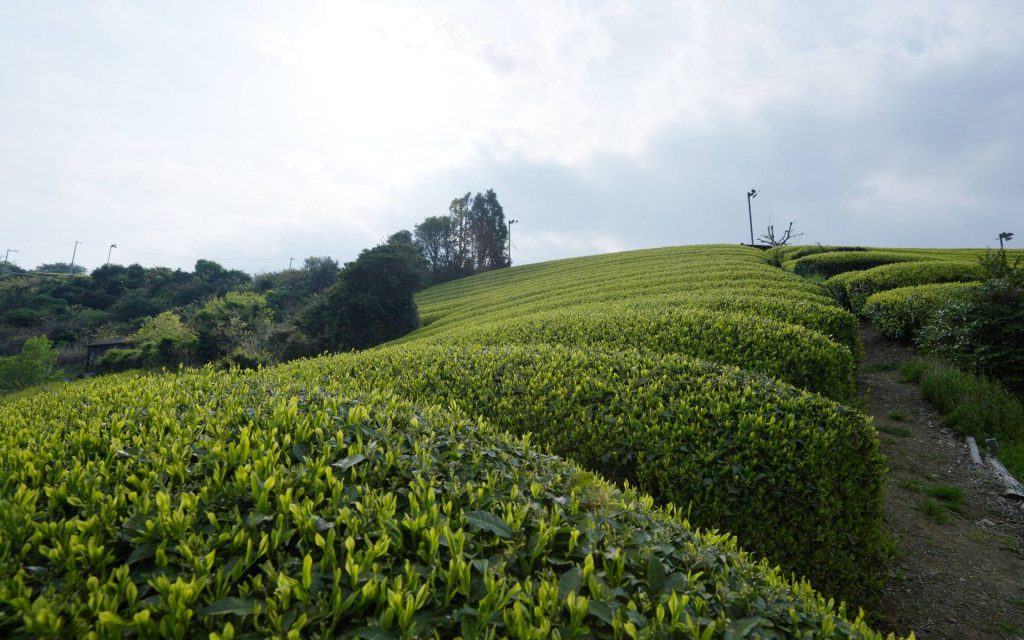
x=434, y=239
x=490, y=234
x=321, y=274
x=60, y=267
x=770, y=239
x=165, y=341
x=372, y=302
x=235, y=327
x=37, y=363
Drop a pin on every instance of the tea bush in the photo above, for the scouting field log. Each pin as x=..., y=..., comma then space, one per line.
x=852, y=289
x=795, y=476
x=224, y=505
x=835, y=262
x=900, y=313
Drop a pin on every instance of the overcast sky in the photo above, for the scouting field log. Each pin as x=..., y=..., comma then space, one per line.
x=249, y=133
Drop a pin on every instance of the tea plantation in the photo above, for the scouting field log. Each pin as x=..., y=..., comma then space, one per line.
x=578, y=448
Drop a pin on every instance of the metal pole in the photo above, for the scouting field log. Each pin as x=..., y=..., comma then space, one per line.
x=6, y=255
x=510, y=223
x=74, y=253
x=109, y=251
x=290, y=263
x=750, y=214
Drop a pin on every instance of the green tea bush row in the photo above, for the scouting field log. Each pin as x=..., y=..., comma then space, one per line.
x=795, y=476
x=788, y=352
x=835, y=262
x=224, y=505
x=900, y=313
x=852, y=289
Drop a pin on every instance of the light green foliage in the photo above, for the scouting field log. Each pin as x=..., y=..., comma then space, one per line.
x=165, y=340
x=900, y=313
x=791, y=353
x=796, y=477
x=219, y=504
x=853, y=288
x=236, y=326
x=37, y=363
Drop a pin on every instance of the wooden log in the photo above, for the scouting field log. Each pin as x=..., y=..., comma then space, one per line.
x=973, y=447
x=1012, y=488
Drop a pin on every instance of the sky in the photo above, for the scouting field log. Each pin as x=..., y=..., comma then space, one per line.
x=252, y=133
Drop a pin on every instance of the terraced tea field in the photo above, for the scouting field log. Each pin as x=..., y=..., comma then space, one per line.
x=575, y=449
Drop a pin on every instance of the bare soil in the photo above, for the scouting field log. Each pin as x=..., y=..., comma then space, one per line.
x=959, y=566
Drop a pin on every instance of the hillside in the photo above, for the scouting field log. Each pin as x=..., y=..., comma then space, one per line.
x=462, y=480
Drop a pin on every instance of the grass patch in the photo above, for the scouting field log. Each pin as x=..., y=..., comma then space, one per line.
x=911, y=485
x=882, y=366
x=950, y=496
x=934, y=510
x=893, y=430
x=912, y=370
x=898, y=416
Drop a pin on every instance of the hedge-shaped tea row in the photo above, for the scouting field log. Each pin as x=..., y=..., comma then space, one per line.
x=852, y=289
x=900, y=313
x=793, y=475
x=221, y=505
x=612, y=278
x=788, y=352
x=836, y=262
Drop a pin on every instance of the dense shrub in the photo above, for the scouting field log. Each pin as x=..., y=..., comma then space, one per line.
x=985, y=331
x=978, y=407
x=853, y=288
x=835, y=262
x=794, y=476
x=213, y=504
x=900, y=313
x=118, y=360
x=37, y=363
x=788, y=352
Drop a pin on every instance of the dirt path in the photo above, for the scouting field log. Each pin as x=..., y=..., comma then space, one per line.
x=959, y=569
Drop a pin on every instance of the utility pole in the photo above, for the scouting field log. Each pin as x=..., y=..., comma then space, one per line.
x=74, y=253
x=290, y=263
x=10, y=251
x=751, y=194
x=109, y=251
x=510, y=223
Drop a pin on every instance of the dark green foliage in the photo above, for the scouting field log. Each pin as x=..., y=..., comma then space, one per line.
x=118, y=360
x=37, y=363
x=978, y=407
x=794, y=476
x=235, y=327
x=472, y=238
x=985, y=331
x=215, y=504
x=372, y=303
x=61, y=267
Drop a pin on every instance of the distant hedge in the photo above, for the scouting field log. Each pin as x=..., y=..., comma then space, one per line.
x=900, y=313
x=836, y=262
x=852, y=289
x=788, y=352
x=795, y=476
x=222, y=505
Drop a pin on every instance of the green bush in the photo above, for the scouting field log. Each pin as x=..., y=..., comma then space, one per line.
x=900, y=313
x=985, y=331
x=791, y=353
x=224, y=505
x=36, y=364
x=852, y=289
x=795, y=476
x=836, y=262
x=978, y=407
